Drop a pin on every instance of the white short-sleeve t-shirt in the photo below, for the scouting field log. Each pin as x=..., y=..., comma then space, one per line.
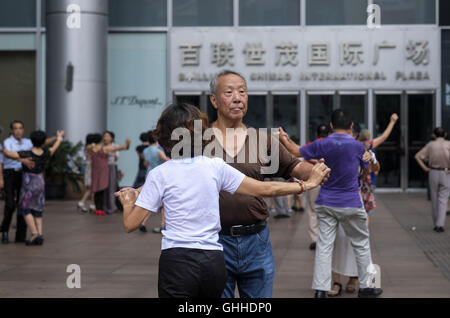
x=189, y=189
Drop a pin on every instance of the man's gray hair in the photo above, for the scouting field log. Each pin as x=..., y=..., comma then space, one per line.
x=364, y=135
x=213, y=83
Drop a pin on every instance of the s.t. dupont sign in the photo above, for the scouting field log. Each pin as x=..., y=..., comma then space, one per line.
x=311, y=58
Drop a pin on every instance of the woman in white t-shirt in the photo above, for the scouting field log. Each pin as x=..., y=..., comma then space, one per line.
x=192, y=262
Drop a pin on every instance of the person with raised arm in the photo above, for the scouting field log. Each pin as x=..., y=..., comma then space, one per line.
x=32, y=194
x=100, y=170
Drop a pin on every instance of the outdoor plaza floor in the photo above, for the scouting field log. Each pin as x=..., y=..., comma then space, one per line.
x=113, y=263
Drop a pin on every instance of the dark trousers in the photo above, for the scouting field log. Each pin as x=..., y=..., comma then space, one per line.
x=186, y=272
x=100, y=198
x=13, y=183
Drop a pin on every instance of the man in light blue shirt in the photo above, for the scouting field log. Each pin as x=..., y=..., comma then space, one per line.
x=13, y=181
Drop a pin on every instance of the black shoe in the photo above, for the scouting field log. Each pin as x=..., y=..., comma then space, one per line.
x=5, y=238
x=369, y=292
x=40, y=240
x=312, y=246
x=440, y=229
x=33, y=242
x=301, y=210
x=435, y=228
x=143, y=229
x=320, y=294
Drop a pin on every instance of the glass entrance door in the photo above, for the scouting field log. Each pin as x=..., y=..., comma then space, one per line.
x=286, y=115
x=420, y=128
x=193, y=99
x=413, y=130
x=320, y=106
x=390, y=153
x=355, y=104
x=256, y=116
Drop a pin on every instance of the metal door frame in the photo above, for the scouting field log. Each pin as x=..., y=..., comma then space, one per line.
x=270, y=111
x=400, y=93
x=404, y=131
x=404, y=178
x=343, y=92
x=308, y=93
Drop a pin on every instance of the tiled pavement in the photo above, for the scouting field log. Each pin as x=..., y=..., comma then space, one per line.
x=116, y=264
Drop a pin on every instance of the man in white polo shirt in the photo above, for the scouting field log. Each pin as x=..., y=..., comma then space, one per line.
x=12, y=171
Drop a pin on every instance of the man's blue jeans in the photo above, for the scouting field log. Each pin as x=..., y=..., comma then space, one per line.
x=250, y=265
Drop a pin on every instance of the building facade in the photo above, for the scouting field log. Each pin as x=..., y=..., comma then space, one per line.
x=301, y=60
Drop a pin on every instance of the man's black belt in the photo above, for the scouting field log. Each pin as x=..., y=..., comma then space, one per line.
x=440, y=169
x=12, y=169
x=243, y=230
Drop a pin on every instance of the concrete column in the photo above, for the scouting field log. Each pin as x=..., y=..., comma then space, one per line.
x=76, y=78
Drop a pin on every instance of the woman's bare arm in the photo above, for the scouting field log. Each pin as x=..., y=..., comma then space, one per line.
x=59, y=137
x=385, y=135
x=48, y=141
x=124, y=146
x=250, y=186
x=133, y=215
x=162, y=156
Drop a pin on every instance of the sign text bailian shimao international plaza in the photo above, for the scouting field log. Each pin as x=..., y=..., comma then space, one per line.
x=325, y=57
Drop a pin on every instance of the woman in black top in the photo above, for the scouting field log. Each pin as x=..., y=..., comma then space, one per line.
x=142, y=169
x=32, y=198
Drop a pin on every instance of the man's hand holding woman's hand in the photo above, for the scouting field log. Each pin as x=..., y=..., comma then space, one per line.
x=319, y=175
x=284, y=137
x=327, y=174
x=127, y=196
x=367, y=156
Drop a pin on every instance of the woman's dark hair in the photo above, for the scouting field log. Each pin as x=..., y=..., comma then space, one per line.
x=38, y=138
x=89, y=139
x=150, y=137
x=113, y=135
x=96, y=138
x=143, y=136
x=179, y=115
x=341, y=119
x=323, y=131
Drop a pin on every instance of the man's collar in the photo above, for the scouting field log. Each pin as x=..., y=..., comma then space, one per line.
x=342, y=135
x=19, y=141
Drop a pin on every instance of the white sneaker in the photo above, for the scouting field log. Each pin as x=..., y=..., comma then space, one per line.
x=81, y=206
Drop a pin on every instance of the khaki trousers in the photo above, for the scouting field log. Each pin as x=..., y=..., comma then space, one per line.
x=353, y=221
x=439, y=190
x=311, y=196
